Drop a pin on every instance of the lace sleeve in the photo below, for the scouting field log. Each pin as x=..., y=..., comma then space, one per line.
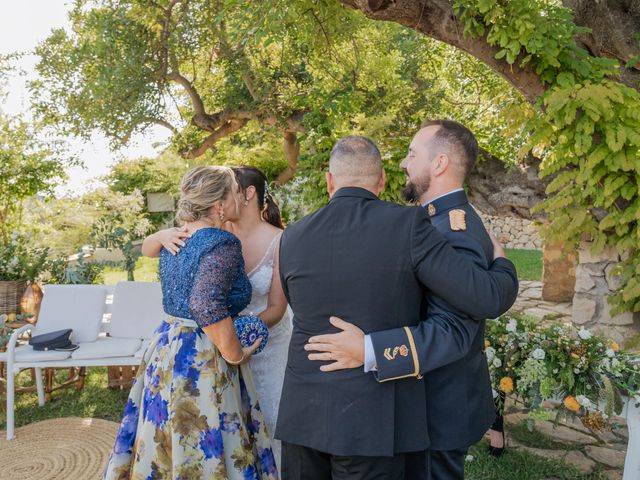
x=215, y=276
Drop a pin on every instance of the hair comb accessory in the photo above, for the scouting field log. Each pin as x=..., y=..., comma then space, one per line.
x=248, y=329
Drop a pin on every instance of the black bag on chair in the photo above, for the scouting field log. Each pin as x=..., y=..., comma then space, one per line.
x=58, y=340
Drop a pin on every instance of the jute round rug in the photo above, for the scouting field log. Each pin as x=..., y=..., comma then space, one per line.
x=63, y=448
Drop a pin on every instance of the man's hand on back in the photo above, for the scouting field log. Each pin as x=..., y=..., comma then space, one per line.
x=345, y=349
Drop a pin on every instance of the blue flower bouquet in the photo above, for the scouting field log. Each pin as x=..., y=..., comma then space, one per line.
x=249, y=329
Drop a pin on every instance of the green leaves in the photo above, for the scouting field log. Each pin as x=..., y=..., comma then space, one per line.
x=589, y=133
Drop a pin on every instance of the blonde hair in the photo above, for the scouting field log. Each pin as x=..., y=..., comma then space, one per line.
x=200, y=189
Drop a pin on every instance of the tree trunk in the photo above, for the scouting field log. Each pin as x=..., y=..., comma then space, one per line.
x=497, y=189
x=291, y=152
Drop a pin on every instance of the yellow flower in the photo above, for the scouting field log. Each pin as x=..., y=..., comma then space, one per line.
x=614, y=346
x=486, y=344
x=506, y=384
x=571, y=404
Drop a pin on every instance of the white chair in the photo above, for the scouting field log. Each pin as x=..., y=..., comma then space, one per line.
x=135, y=313
x=79, y=307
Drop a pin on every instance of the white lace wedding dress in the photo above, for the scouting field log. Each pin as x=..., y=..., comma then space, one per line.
x=268, y=366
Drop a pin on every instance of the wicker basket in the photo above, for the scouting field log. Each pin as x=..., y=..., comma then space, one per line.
x=10, y=295
x=121, y=378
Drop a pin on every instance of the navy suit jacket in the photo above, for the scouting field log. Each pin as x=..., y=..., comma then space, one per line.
x=450, y=344
x=366, y=261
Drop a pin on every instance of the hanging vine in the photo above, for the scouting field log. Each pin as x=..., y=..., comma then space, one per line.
x=586, y=129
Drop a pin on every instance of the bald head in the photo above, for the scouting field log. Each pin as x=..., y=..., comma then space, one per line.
x=355, y=162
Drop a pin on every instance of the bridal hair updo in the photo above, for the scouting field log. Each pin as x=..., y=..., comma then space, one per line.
x=201, y=188
x=248, y=176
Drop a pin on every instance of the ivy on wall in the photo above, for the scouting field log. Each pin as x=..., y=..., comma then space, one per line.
x=586, y=129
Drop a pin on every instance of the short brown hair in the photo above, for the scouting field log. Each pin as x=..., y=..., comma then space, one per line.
x=460, y=139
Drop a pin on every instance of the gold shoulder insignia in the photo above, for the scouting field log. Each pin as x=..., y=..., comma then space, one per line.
x=456, y=220
x=431, y=210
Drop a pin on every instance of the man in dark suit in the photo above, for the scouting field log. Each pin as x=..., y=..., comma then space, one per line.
x=368, y=261
x=459, y=402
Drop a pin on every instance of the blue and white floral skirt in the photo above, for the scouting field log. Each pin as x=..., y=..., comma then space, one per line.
x=190, y=415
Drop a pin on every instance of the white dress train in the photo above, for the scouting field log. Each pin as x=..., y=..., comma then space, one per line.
x=269, y=365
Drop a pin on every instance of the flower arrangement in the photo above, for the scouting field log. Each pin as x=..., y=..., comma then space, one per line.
x=19, y=261
x=538, y=362
x=5, y=330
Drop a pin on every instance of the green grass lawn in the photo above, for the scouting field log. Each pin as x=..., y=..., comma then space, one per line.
x=528, y=263
x=94, y=400
x=520, y=465
x=98, y=401
x=146, y=271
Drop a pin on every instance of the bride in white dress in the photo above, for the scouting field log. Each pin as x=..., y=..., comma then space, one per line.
x=258, y=227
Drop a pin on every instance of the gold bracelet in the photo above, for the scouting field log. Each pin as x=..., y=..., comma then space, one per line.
x=235, y=363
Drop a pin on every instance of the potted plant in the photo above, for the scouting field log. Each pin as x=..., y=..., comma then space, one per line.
x=19, y=265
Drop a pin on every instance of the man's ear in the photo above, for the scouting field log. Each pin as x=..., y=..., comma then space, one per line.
x=382, y=182
x=440, y=165
x=331, y=186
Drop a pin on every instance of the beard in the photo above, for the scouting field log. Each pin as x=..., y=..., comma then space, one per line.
x=412, y=191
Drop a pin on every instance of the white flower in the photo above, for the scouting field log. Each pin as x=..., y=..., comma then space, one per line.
x=469, y=458
x=576, y=371
x=585, y=402
x=497, y=363
x=585, y=334
x=538, y=354
x=615, y=363
x=555, y=370
x=512, y=326
x=490, y=353
x=495, y=394
x=610, y=353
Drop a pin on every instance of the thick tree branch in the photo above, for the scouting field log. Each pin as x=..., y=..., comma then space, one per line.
x=292, y=153
x=614, y=26
x=226, y=129
x=161, y=122
x=196, y=99
x=436, y=19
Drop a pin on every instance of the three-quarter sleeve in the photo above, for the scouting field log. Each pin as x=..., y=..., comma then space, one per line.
x=214, y=278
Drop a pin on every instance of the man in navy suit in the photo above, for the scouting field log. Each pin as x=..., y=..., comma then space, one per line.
x=449, y=344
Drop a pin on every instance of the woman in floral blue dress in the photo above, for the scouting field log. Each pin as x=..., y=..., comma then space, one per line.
x=192, y=413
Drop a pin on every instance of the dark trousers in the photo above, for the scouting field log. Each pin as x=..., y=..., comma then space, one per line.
x=302, y=463
x=447, y=465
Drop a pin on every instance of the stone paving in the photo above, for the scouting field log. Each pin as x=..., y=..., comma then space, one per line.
x=530, y=302
x=586, y=450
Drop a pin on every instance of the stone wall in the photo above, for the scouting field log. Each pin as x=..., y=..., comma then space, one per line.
x=513, y=232
x=595, y=281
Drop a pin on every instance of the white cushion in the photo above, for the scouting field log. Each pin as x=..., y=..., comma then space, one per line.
x=107, y=347
x=137, y=310
x=142, y=349
x=26, y=353
x=79, y=307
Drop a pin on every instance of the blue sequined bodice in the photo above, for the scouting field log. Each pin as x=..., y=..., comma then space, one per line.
x=206, y=281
